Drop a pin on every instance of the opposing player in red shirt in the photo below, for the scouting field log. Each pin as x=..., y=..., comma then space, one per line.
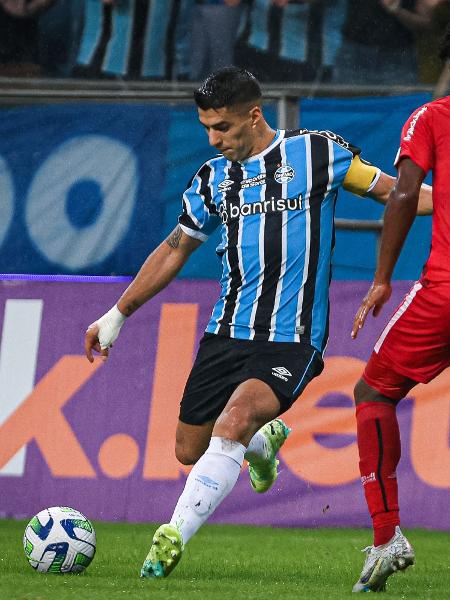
x=414, y=347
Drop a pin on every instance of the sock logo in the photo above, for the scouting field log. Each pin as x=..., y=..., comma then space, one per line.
x=368, y=478
x=207, y=481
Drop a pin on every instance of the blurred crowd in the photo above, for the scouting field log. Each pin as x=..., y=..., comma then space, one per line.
x=338, y=41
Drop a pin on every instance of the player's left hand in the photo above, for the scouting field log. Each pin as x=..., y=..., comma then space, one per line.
x=378, y=294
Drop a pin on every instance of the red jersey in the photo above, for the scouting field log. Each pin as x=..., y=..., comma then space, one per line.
x=426, y=140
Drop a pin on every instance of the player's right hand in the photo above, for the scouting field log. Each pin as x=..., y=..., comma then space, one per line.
x=376, y=297
x=101, y=334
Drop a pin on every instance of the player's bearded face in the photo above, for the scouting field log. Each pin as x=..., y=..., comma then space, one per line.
x=231, y=131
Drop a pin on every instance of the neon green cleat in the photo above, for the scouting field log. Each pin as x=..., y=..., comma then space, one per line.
x=263, y=475
x=165, y=552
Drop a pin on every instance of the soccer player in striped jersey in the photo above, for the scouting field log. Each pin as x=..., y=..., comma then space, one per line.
x=272, y=193
x=414, y=347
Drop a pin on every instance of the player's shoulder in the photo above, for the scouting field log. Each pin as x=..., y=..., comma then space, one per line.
x=440, y=107
x=204, y=171
x=214, y=162
x=323, y=133
x=439, y=103
x=426, y=118
x=427, y=110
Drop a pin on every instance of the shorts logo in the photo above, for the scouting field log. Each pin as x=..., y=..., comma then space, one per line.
x=284, y=174
x=281, y=373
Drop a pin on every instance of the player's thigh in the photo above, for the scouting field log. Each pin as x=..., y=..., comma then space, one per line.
x=382, y=381
x=213, y=379
x=286, y=368
x=415, y=343
x=252, y=404
x=273, y=377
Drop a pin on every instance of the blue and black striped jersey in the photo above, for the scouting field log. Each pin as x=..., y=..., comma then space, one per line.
x=276, y=213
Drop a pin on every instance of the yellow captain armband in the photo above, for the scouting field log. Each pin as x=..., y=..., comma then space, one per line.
x=361, y=177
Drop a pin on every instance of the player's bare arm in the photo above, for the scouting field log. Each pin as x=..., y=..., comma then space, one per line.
x=159, y=269
x=400, y=212
x=364, y=179
x=383, y=188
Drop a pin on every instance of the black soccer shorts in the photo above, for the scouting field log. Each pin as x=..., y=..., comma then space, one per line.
x=222, y=363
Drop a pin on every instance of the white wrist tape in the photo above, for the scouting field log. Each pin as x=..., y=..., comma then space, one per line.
x=109, y=327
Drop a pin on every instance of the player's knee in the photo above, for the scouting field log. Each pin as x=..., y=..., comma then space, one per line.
x=359, y=391
x=364, y=393
x=186, y=456
x=238, y=423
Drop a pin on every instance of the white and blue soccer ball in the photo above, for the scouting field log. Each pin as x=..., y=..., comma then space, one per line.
x=59, y=540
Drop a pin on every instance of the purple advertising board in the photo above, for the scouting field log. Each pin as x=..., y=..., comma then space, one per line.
x=101, y=437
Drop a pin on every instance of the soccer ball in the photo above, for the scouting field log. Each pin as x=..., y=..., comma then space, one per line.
x=59, y=540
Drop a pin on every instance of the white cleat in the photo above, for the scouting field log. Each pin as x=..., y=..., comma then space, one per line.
x=382, y=561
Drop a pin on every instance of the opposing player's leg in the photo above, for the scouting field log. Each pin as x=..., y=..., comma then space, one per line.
x=382, y=561
x=413, y=347
x=379, y=452
x=214, y=475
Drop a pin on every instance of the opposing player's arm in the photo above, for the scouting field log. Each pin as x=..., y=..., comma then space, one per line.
x=399, y=216
x=384, y=185
x=364, y=179
x=159, y=269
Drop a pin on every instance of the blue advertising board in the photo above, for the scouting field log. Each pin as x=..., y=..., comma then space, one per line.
x=93, y=189
x=81, y=187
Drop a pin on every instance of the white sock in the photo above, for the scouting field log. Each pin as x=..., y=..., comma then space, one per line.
x=256, y=452
x=210, y=481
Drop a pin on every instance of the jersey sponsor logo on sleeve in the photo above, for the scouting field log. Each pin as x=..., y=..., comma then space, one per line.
x=284, y=174
x=412, y=125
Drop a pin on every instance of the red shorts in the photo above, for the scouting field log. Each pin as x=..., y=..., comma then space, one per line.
x=414, y=347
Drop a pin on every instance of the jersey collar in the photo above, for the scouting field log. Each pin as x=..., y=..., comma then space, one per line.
x=278, y=137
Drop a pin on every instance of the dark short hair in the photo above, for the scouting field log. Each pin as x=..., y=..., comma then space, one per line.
x=444, y=52
x=227, y=87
